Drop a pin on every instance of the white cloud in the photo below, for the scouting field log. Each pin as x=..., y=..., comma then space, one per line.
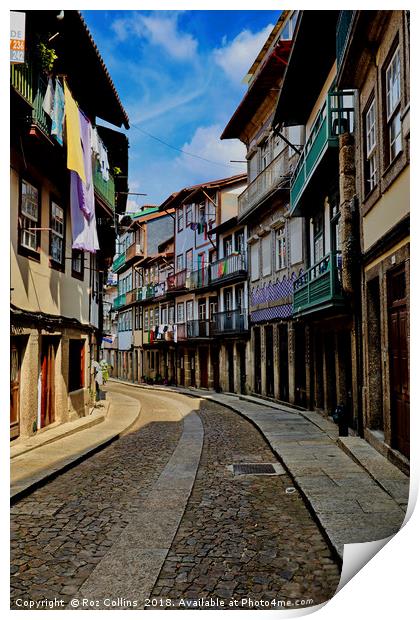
x=206, y=143
x=236, y=58
x=161, y=30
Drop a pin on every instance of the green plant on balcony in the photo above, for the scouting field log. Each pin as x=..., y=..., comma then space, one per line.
x=46, y=56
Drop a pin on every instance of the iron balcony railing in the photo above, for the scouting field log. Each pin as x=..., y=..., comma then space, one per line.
x=273, y=176
x=27, y=80
x=335, y=117
x=198, y=328
x=177, y=280
x=229, y=322
x=320, y=285
x=120, y=301
x=198, y=278
x=232, y=265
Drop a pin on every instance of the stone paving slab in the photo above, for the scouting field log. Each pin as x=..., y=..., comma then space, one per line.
x=133, y=563
x=29, y=469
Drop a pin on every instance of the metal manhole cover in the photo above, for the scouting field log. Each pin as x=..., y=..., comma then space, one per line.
x=253, y=468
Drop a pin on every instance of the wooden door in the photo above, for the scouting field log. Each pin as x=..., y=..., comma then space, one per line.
x=242, y=366
x=398, y=363
x=14, y=389
x=300, y=366
x=181, y=367
x=257, y=360
x=47, y=382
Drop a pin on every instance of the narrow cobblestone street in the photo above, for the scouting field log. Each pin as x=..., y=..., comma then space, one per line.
x=244, y=536
x=240, y=536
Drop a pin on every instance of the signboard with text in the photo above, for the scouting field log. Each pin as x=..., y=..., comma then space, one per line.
x=17, y=37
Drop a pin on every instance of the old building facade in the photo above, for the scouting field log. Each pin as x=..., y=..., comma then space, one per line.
x=57, y=270
x=373, y=57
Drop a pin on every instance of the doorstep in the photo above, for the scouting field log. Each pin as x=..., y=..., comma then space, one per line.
x=49, y=435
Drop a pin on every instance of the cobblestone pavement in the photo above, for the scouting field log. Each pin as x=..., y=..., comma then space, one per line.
x=60, y=532
x=243, y=537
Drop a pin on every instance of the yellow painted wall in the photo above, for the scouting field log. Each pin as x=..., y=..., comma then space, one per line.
x=37, y=287
x=388, y=211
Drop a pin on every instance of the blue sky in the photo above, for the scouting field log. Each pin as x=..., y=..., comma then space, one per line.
x=179, y=75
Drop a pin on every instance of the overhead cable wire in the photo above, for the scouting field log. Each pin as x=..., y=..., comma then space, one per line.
x=175, y=148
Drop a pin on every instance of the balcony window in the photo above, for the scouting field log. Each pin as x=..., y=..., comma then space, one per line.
x=180, y=262
x=77, y=264
x=318, y=224
x=255, y=261
x=30, y=216
x=266, y=255
x=190, y=310
x=146, y=320
x=370, y=146
x=180, y=217
x=240, y=299
x=156, y=313
x=252, y=167
x=189, y=260
x=164, y=315
x=171, y=315
x=281, y=248
x=180, y=312
x=393, y=105
x=188, y=215
x=57, y=227
x=227, y=246
x=240, y=242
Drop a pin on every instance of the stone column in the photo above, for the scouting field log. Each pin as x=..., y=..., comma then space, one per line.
x=187, y=368
x=210, y=367
x=197, y=367
x=223, y=370
x=250, y=380
x=340, y=369
x=263, y=362
x=61, y=373
x=29, y=374
x=236, y=369
x=276, y=360
x=292, y=361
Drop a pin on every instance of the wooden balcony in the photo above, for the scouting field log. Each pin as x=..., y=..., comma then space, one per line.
x=198, y=278
x=269, y=179
x=319, y=287
x=333, y=118
x=177, y=281
x=229, y=268
x=199, y=328
x=118, y=263
x=231, y=322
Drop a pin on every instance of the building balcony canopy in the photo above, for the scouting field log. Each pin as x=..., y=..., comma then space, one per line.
x=311, y=58
x=319, y=157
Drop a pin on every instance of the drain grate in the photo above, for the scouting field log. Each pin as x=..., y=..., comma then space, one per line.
x=253, y=468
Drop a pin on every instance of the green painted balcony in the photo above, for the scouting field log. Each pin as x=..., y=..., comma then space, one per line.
x=120, y=301
x=319, y=287
x=118, y=263
x=336, y=116
x=104, y=189
x=343, y=34
x=31, y=86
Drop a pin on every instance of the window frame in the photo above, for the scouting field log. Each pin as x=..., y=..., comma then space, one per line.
x=79, y=275
x=180, y=218
x=393, y=114
x=55, y=264
x=370, y=146
x=24, y=250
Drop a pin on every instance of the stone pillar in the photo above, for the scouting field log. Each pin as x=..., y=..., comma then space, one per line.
x=263, y=362
x=340, y=369
x=250, y=363
x=276, y=360
x=178, y=358
x=291, y=351
x=236, y=369
x=309, y=365
x=349, y=237
x=187, y=368
x=197, y=367
x=61, y=373
x=210, y=367
x=29, y=374
x=223, y=370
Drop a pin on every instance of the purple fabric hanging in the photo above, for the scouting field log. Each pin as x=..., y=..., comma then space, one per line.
x=86, y=190
x=84, y=232
x=82, y=197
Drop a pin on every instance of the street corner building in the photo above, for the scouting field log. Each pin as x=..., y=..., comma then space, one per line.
x=68, y=180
